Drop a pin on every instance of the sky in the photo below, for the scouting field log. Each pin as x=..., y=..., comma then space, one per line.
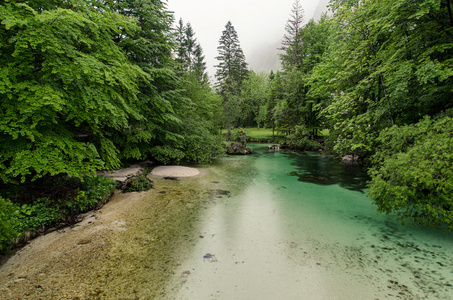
x=260, y=25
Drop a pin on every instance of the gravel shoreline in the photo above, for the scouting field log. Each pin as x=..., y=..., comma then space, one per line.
x=128, y=249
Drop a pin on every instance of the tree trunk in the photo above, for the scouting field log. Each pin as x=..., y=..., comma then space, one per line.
x=449, y=12
x=273, y=129
x=258, y=118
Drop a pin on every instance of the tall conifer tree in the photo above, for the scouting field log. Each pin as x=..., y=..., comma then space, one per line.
x=231, y=71
x=291, y=44
x=232, y=67
x=190, y=53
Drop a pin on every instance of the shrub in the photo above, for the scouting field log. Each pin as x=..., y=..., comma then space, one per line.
x=137, y=184
x=7, y=224
x=17, y=220
x=412, y=174
x=42, y=213
x=236, y=134
x=306, y=143
x=301, y=140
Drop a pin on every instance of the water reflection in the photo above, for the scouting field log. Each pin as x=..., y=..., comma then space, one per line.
x=324, y=169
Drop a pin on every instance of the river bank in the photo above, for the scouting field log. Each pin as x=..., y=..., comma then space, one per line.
x=127, y=249
x=274, y=224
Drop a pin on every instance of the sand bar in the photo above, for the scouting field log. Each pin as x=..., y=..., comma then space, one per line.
x=175, y=171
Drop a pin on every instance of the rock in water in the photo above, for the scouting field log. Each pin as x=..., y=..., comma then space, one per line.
x=238, y=149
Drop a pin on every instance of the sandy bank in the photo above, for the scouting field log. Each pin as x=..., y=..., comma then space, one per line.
x=175, y=171
x=126, y=250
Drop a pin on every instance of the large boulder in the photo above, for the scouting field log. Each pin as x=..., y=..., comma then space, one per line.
x=238, y=149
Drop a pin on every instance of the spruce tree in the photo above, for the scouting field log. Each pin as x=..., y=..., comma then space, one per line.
x=231, y=71
x=291, y=44
x=199, y=65
x=190, y=53
x=232, y=67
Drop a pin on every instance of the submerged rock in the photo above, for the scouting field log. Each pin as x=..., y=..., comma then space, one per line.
x=274, y=147
x=350, y=160
x=238, y=149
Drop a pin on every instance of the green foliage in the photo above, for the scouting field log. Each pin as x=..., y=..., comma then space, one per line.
x=86, y=85
x=413, y=172
x=236, y=134
x=291, y=101
x=167, y=155
x=42, y=213
x=232, y=68
x=201, y=119
x=293, y=39
x=138, y=184
x=231, y=71
x=388, y=63
x=301, y=139
x=254, y=96
x=62, y=77
x=17, y=219
x=255, y=135
x=190, y=53
x=8, y=224
x=94, y=190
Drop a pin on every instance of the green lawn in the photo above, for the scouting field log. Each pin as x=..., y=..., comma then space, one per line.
x=254, y=133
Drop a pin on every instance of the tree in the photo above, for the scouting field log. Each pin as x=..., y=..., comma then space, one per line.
x=180, y=41
x=85, y=85
x=199, y=65
x=389, y=75
x=186, y=44
x=276, y=92
x=65, y=88
x=292, y=40
x=304, y=47
x=384, y=68
x=412, y=174
x=156, y=130
x=254, y=97
x=231, y=71
x=201, y=106
x=190, y=53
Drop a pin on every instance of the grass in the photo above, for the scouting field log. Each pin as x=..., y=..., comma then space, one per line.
x=261, y=133
x=324, y=132
x=254, y=133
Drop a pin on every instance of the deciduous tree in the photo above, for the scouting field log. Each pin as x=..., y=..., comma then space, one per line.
x=65, y=87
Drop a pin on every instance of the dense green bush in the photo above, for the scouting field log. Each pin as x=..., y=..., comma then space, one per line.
x=306, y=143
x=94, y=190
x=17, y=219
x=236, y=134
x=7, y=224
x=42, y=213
x=413, y=172
x=138, y=184
x=301, y=140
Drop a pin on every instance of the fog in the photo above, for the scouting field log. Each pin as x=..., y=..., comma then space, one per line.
x=260, y=25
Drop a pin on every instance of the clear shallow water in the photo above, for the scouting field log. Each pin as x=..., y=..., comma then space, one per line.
x=299, y=226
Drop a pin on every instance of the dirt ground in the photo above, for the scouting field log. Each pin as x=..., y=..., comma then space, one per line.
x=127, y=250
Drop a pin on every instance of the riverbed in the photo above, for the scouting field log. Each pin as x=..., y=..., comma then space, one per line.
x=300, y=226
x=273, y=225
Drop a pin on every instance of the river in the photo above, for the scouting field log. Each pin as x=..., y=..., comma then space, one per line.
x=272, y=225
x=300, y=226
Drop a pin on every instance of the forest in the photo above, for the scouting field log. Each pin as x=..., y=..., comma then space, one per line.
x=94, y=85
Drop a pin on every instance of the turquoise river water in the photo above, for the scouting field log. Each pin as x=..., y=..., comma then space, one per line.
x=288, y=225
